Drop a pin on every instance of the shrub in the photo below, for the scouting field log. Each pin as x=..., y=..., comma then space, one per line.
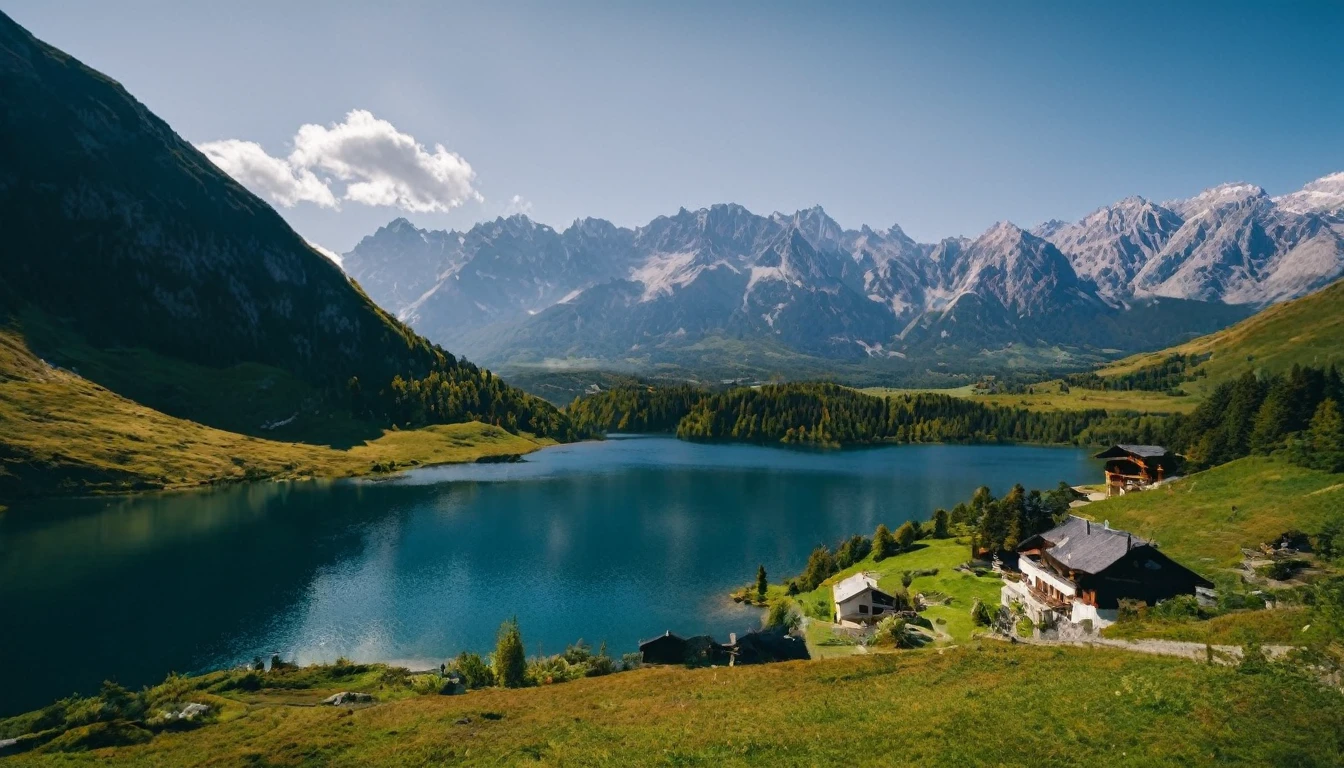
x=1131, y=610
x=782, y=614
x=475, y=672
x=980, y=614
x=906, y=535
x=1282, y=570
x=1179, y=607
x=1025, y=626
x=509, y=662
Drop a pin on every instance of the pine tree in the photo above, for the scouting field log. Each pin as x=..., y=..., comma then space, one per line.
x=940, y=523
x=1325, y=438
x=761, y=583
x=509, y=662
x=1272, y=420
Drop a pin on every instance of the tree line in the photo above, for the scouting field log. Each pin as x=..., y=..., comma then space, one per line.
x=456, y=391
x=1164, y=376
x=1297, y=413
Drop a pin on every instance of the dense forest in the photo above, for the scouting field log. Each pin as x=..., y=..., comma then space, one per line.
x=456, y=390
x=1298, y=413
x=829, y=414
x=1165, y=376
x=638, y=408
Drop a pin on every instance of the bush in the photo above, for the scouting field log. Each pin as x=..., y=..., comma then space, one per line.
x=1282, y=570
x=906, y=535
x=884, y=545
x=980, y=614
x=1025, y=626
x=509, y=662
x=475, y=672
x=1179, y=607
x=1131, y=610
x=782, y=614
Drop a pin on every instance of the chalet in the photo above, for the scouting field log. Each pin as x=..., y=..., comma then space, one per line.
x=668, y=648
x=1081, y=570
x=859, y=601
x=1135, y=467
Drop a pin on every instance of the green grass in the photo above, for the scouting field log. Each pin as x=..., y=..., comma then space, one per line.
x=982, y=704
x=1047, y=397
x=1205, y=519
x=1279, y=626
x=61, y=433
x=943, y=554
x=1309, y=331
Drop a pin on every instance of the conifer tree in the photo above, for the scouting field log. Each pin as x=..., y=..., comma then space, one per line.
x=761, y=583
x=1325, y=439
x=940, y=523
x=509, y=662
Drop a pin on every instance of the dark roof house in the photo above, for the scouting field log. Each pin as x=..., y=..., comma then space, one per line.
x=1135, y=467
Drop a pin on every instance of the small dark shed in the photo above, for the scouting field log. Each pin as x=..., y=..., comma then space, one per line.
x=667, y=648
x=766, y=646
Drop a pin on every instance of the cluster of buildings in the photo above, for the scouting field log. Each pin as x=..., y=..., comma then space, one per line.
x=1074, y=574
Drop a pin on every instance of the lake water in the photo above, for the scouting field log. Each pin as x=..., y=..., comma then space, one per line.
x=616, y=540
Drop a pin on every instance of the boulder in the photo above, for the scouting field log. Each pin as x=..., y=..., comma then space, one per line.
x=348, y=697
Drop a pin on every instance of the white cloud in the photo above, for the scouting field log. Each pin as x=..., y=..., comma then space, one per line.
x=274, y=177
x=378, y=165
x=518, y=204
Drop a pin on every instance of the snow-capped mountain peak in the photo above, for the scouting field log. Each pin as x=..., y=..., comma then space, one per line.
x=1324, y=195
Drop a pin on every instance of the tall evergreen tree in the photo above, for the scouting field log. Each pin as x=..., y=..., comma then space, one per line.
x=940, y=517
x=761, y=583
x=884, y=545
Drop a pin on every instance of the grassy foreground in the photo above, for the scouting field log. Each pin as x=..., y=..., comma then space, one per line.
x=61, y=433
x=985, y=704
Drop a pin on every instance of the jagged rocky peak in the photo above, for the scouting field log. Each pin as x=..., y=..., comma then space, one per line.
x=1324, y=195
x=1224, y=195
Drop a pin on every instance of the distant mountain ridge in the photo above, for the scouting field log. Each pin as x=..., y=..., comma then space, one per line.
x=1127, y=277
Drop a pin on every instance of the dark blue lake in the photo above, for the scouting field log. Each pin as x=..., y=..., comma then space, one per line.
x=606, y=541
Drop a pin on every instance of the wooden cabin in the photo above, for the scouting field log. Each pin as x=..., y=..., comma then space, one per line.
x=1135, y=467
x=1081, y=570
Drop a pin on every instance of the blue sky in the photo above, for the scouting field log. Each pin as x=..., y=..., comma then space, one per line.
x=942, y=117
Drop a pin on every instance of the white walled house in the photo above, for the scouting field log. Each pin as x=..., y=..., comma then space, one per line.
x=858, y=601
x=1081, y=570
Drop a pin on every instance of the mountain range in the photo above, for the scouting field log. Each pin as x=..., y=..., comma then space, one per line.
x=723, y=281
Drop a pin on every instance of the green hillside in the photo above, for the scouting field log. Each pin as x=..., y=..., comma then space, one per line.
x=985, y=703
x=1306, y=331
x=137, y=267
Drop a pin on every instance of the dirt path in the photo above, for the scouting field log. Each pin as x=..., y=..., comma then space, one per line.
x=1183, y=649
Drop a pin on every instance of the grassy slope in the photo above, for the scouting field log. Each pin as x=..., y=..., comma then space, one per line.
x=961, y=706
x=1203, y=520
x=62, y=433
x=1047, y=397
x=1309, y=330
x=943, y=554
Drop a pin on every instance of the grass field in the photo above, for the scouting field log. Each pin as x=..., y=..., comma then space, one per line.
x=1205, y=519
x=1309, y=331
x=1280, y=626
x=61, y=433
x=943, y=554
x=1047, y=397
x=982, y=704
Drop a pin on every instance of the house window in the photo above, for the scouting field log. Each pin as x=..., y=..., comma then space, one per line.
x=863, y=609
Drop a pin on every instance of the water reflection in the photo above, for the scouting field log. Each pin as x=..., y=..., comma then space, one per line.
x=609, y=541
